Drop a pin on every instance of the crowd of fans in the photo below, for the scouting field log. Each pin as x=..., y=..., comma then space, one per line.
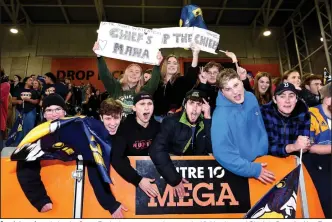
x=230, y=113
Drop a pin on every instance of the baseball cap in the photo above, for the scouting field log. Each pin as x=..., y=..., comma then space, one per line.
x=285, y=86
x=195, y=95
x=141, y=96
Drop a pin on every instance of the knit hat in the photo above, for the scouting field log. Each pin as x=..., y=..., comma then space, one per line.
x=53, y=99
x=286, y=86
x=51, y=76
x=141, y=96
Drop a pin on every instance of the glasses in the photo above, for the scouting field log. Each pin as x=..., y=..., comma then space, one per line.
x=213, y=73
x=50, y=111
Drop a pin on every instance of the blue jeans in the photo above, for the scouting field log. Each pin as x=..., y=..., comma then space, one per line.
x=28, y=124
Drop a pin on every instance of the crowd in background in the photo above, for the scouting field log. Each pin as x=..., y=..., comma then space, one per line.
x=169, y=90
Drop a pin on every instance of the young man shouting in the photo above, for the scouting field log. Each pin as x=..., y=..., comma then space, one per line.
x=186, y=133
x=238, y=132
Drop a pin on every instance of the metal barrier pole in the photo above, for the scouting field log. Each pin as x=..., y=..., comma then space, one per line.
x=78, y=175
x=304, y=200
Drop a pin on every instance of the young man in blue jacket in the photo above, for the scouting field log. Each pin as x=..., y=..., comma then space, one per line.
x=238, y=132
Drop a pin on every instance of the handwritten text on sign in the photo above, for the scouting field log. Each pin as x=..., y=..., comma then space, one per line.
x=141, y=45
x=211, y=189
x=128, y=43
x=183, y=37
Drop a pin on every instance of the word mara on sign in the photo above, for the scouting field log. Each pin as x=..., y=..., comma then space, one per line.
x=206, y=199
x=130, y=51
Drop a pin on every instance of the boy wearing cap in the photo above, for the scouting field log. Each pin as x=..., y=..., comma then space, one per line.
x=136, y=134
x=238, y=132
x=185, y=133
x=318, y=160
x=287, y=121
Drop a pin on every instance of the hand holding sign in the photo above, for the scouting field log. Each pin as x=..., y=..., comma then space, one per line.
x=95, y=48
x=159, y=58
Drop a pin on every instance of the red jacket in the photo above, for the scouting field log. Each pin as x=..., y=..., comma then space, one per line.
x=4, y=93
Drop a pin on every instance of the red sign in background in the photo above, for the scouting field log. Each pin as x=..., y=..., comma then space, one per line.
x=85, y=70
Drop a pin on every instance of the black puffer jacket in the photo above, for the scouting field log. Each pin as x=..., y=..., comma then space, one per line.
x=176, y=138
x=309, y=98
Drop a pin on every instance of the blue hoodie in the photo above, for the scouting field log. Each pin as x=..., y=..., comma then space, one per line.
x=238, y=135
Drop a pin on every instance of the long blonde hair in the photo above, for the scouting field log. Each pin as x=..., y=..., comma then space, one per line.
x=124, y=79
x=164, y=70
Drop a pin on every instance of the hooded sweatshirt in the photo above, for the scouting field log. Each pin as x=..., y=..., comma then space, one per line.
x=238, y=135
x=132, y=140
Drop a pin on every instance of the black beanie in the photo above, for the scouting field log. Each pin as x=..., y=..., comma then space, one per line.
x=53, y=99
x=51, y=76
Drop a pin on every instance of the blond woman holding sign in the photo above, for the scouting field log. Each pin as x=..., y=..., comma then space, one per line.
x=126, y=88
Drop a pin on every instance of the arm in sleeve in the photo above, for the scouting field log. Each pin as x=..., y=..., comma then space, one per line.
x=102, y=190
x=121, y=163
x=110, y=83
x=226, y=153
x=160, y=156
x=190, y=78
x=152, y=85
x=207, y=128
x=275, y=147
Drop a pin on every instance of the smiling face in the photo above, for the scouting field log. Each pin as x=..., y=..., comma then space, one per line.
x=111, y=122
x=233, y=90
x=286, y=102
x=133, y=73
x=54, y=112
x=144, y=110
x=263, y=84
x=172, y=66
x=35, y=85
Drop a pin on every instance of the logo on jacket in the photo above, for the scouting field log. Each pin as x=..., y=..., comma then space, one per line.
x=142, y=144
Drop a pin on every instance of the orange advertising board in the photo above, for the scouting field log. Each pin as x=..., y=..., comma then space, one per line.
x=56, y=176
x=85, y=70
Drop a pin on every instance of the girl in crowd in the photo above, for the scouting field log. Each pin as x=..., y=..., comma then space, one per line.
x=132, y=82
x=293, y=77
x=173, y=86
x=263, y=88
x=90, y=105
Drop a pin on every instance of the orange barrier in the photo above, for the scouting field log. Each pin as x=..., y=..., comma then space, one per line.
x=56, y=176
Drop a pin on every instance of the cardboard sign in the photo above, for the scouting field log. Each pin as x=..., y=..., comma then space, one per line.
x=183, y=37
x=128, y=43
x=178, y=37
x=211, y=189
